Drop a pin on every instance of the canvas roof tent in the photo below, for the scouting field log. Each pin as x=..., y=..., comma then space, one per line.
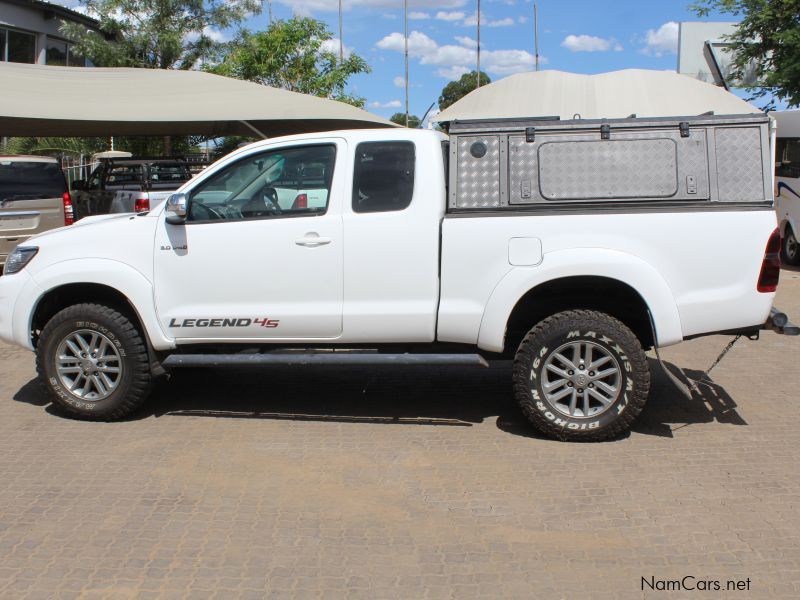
x=614, y=95
x=38, y=100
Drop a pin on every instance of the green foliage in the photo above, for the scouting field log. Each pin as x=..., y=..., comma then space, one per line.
x=292, y=55
x=164, y=34
x=54, y=146
x=400, y=118
x=455, y=90
x=767, y=41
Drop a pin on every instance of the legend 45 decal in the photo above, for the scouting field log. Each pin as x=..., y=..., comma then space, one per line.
x=243, y=322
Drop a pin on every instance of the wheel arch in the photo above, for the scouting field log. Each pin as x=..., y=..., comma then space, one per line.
x=619, y=284
x=100, y=281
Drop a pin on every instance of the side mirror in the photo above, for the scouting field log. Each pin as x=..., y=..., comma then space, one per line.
x=79, y=185
x=176, y=209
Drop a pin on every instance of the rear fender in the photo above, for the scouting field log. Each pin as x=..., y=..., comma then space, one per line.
x=577, y=262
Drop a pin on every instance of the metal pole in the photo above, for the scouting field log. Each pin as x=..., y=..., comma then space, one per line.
x=536, y=32
x=270, y=11
x=405, y=21
x=479, y=45
x=341, y=42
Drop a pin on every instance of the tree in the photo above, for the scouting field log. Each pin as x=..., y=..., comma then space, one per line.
x=164, y=34
x=766, y=42
x=400, y=118
x=455, y=90
x=295, y=55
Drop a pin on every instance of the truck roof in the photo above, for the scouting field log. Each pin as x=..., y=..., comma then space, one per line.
x=353, y=135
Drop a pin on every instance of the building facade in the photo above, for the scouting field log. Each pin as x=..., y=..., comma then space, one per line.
x=30, y=33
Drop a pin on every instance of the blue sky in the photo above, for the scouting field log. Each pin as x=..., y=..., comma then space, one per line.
x=582, y=36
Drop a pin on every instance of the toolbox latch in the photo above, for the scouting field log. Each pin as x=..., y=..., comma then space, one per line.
x=605, y=132
x=530, y=134
x=684, y=126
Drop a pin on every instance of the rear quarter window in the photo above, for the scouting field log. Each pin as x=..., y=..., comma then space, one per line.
x=20, y=180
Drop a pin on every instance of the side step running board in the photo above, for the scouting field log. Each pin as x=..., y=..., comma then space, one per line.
x=321, y=358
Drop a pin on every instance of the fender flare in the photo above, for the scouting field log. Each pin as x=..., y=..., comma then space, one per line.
x=113, y=274
x=576, y=262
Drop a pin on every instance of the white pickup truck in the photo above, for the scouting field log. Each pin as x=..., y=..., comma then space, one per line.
x=570, y=247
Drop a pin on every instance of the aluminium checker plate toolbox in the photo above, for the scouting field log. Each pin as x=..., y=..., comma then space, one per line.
x=534, y=163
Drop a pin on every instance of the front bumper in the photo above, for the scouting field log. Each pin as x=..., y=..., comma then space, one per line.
x=18, y=294
x=780, y=323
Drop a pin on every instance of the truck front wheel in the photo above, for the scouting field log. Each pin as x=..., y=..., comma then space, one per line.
x=581, y=375
x=94, y=362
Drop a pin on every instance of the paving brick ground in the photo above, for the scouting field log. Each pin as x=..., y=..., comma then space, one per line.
x=422, y=483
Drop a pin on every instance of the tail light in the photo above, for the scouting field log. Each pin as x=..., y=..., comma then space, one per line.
x=771, y=265
x=301, y=201
x=69, y=211
x=141, y=203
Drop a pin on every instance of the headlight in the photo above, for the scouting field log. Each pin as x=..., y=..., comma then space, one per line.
x=18, y=258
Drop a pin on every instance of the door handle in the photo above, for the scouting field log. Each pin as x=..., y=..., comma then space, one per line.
x=312, y=240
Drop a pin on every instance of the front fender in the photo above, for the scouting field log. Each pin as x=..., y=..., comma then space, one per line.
x=577, y=262
x=111, y=273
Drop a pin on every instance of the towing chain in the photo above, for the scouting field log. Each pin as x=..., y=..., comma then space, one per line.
x=721, y=356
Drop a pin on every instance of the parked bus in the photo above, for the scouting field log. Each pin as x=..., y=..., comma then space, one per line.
x=787, y=182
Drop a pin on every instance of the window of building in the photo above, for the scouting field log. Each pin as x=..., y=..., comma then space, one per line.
x=20, y=47
x=56, y=53
x=2, y=44
x=383, y=179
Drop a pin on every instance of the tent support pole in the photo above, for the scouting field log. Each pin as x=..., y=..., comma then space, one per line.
x=246, y=124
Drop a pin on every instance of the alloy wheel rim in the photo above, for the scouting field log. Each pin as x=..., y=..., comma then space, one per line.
x=581, y=379
x=791, y=246
x=88, y=365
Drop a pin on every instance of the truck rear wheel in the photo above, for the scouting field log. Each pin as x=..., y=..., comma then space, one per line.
x=790, y=250
x=94, y=361
x=581, y=375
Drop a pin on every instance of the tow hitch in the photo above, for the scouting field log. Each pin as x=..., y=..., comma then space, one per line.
x=779, y=323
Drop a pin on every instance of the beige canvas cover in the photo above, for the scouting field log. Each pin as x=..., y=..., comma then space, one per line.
x=618, y=94
x=38, y=100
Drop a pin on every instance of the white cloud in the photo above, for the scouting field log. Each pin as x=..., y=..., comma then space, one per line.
x=472, y=21
x=418, y=16
x=450, y=16
x=332, y=45
x=590, y=43
x=663, y=40
x=466, y=41
x=522, y=19
x=399, y=81
x=453, y=61
x=453, y=73
x=311, y=6
x=215, y=35
x=389, y=104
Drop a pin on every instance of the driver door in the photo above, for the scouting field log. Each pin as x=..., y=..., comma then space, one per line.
x=260, y=254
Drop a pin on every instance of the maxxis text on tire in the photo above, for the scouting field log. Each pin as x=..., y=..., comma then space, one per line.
x=581, y=375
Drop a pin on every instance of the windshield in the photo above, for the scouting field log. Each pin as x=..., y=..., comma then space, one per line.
x=30, y=180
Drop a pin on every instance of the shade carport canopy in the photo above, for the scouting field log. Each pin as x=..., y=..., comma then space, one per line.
x=614, y=95
x=38, y=100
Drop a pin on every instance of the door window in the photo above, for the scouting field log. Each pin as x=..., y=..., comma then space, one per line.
x=285, y=182
x=383, y=179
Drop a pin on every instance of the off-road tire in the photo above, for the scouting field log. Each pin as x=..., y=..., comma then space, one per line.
x=135, y=380
x=790, y=250
x=616, y=339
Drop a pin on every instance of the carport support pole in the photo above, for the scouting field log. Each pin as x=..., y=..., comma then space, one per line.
x=249, y=126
